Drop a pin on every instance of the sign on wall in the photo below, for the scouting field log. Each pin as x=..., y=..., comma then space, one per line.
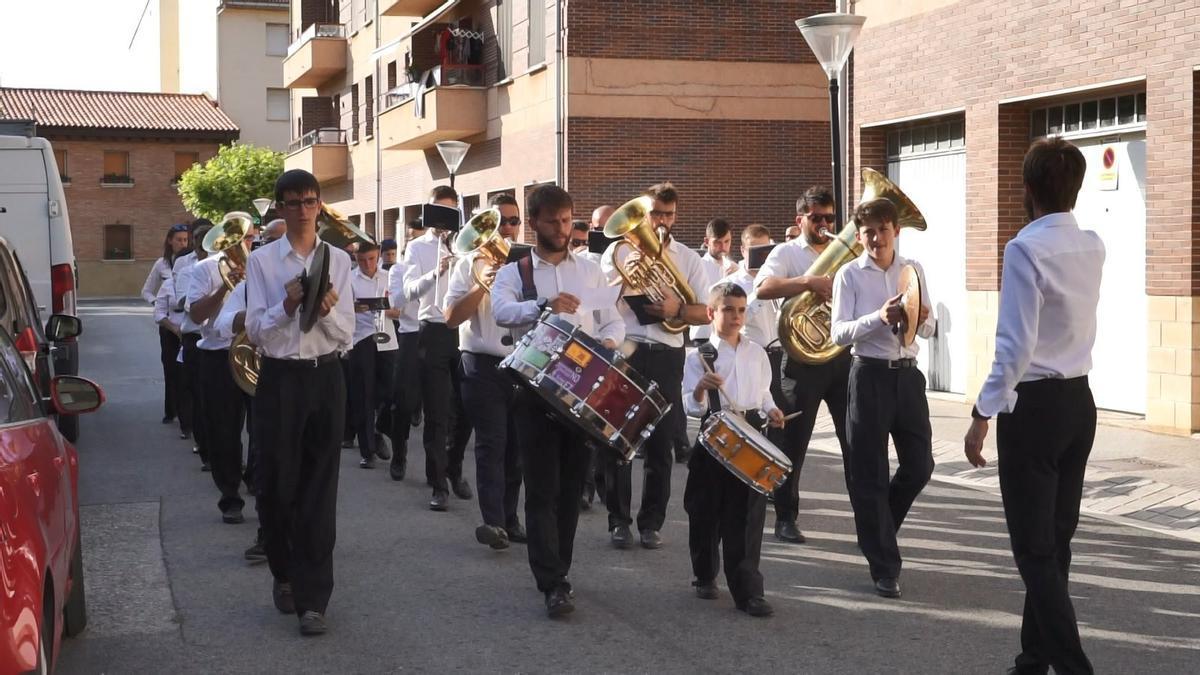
x=1109, y=173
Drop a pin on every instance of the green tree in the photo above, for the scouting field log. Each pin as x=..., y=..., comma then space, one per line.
x=231, y=181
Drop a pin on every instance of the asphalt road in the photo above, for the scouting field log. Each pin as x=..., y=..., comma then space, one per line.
x=169, y=592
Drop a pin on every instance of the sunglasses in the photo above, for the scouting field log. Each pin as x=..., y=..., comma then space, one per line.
x=179, y=227
x=514, y=221
x=576, y=243
x=827, y=218
x=307, y=202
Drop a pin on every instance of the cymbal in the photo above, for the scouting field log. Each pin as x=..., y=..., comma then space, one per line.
x=910, y=288
x=316, y=281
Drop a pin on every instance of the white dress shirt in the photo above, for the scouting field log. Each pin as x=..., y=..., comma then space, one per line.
x=695, y=274
x=746, y=371
x=364, y=322
x=268, y=326
x=165, y=304
x=205, y=279
x=479, y=333
x=1049, y=289
x=234, y=302
x=787, y=260
x=422, y=282
x=573, y=275
x=719, y=268
x=159, y=273
x=859, y=290
x=762, y=316
x=182, y=271
x=408, y=321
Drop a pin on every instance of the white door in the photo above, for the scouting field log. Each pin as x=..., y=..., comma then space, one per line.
x=1118, y=376
x=937, y=184
x=24, y=215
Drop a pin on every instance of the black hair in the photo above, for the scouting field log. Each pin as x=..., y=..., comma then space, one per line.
x=297, y=181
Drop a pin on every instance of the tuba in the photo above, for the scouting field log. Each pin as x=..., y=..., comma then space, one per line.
x=653, y=273
x=482, y=234
x=805, y=321
x=227, y=238
x=336, y=230
x=245, y=362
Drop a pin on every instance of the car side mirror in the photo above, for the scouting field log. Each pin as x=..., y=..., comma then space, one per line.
x=63, y=327
x=72, y=395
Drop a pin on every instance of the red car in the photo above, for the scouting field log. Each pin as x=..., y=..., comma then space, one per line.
x=41, y=563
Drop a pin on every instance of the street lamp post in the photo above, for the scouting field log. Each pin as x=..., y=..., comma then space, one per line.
x=831, y=37
x=452, y=153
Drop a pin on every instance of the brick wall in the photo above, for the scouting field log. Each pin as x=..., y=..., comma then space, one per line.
x=745, y=171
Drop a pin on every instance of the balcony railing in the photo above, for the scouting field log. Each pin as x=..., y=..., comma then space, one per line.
x=323, y=136
x=322, y=152
x=317, y=30
x=318, y=55
x=431, y=115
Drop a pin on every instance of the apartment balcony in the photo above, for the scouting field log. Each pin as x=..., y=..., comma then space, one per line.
x=448, y=113
x=321, y=152
x=316, y=56
x=408, y=7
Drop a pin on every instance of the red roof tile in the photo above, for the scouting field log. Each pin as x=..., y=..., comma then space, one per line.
x=116, y=110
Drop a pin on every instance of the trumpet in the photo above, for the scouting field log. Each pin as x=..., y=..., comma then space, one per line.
x=652, y=273
x=482, y=234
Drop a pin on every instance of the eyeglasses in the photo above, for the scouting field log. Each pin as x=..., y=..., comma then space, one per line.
x=576, y=243
x=307, y=202
x=514, y=221
x=828, y=218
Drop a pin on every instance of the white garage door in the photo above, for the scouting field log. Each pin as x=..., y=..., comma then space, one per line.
x=937, y=185
x=1118, y=375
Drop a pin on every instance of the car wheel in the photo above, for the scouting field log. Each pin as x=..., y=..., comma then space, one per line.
x=68, y=426
x=75, y=609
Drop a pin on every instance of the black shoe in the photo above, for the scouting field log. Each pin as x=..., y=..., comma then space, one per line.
x=558, y=602
x=682, y=455
x=888, y=587
x=383, y=447
x=786, y=530
x=281, y=592
x=233, y=515
x=622, y=537
x=438, y=503
x=757, y=606
x=584, y=504
x=366, y=463
x=185, y=434
x=347, y=444
x=516, y=533
x=195, y=449
x=706, y=590
x=205, y=467
x=416, y=418
x=461, y=488
x=493, y=536
x=167, y=419
x=313, y=623
x=257, y=553
x=398, y=468
x=651, y=539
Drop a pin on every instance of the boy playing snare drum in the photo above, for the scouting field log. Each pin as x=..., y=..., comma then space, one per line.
x=720, y=507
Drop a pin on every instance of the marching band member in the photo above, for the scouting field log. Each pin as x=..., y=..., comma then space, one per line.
x=174, y=245
x=722, y=510
x=371, y=363
x=886, y=391
x=554, y=456
x=762, y=316
x=658, y=355
x=299, y=403
x=782, y=276
x=579, y=237
x=406, y=385
x=426, y=279
x=487, y=392
x=1038, y=391
x=718, y=242
x=191, y=402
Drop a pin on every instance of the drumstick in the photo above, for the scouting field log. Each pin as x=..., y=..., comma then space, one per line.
x=709, y=370
x=795, y=414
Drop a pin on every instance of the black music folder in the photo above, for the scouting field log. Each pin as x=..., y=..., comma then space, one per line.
x=441, y=217
x=374, y=304
x=757, y=255
x=638, y=304
x=598, y=242
x=518, y=251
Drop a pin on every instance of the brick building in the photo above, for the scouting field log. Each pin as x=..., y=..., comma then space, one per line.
x=948, y=96
x=721, y=98
x=119, y=155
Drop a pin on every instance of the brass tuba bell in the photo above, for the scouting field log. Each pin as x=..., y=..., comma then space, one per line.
x=482, y=233
x=228, y=237
x=805, y=321
x=653, y=273
x=336, y=230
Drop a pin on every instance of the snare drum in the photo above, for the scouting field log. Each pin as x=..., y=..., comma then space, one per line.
x=735, y=443
x=589, y=386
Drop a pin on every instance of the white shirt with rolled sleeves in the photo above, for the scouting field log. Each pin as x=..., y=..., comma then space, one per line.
x=1049, y=289
x=762, y=316
x=364, y=322
x=182, y=272
x=165, y=304
x=268, y=326
x=859, y=290
x=787, y=260
x=689, y=265
x=408, y=321
x=422, y=281
x=234, y=302
x=205, y=279
x=746, y=372
x=479, y=333
x=160, y=272
x=573, y=275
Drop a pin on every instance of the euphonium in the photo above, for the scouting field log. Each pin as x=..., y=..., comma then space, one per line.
x=227, y=238
x=805, y=320
x=653, y=273
x=244, y=362
x=482, y=234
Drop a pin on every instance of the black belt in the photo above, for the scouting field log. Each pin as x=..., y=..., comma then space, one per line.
x=884, y=363
x=437, y=324
x=223, y=353
x=300, y=364
x=654, y=346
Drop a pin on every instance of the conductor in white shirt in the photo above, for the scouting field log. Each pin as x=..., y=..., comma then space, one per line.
x=1038, y=391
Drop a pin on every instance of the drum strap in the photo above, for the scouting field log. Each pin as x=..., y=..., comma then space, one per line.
x=709, y=353
x=528, y=289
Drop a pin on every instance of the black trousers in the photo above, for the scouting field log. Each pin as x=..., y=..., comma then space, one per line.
x=191, y=401
x=882, y=402
x=369, y=383
x=168, y=347
x=224, y=417
x=489, y=395
x=664, y=366
x=724, y=515
x=555, y=460
x=250, y=475
x=405, y=366
x=803, y=388
x=385, y=396
x=1043, y=451
x=298, y=420
x=447, y=428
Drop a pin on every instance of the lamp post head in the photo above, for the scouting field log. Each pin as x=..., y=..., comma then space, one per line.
x=262, y=205
x=831, y=37
x=452, y=153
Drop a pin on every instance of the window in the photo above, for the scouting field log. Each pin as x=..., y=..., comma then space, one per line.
x=116, y=168
x=369, y=95
x=1092, y=115
x=118, y=242
x=537, y=32
x=183, y=162
x=354, y=113
x=928, y=138
x=277, y=39
x=504, y=31
x=18, y=395
x=279, y=104
x=391, y=76
x=60, y=158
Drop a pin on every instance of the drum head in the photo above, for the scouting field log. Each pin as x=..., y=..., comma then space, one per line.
x=910, y=287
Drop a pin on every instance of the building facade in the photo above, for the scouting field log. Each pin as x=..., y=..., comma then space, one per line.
x=120, y=155
x=947, y=98
x=720, y=98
